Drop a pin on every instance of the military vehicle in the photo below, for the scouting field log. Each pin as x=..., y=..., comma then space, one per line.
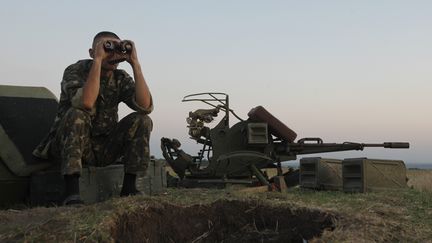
x=26, y=115
x=239, y=153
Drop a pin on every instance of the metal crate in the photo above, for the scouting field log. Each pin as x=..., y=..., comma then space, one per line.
x=321, y=173
x=365, y=175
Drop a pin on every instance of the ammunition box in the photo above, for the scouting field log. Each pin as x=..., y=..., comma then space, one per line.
x=257, y=133
x=96, y=183
x=365, y=175
x=276, y=127
x=320, y=173
x=154, y=181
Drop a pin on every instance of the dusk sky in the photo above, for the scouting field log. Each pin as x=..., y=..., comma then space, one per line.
x=356, y=71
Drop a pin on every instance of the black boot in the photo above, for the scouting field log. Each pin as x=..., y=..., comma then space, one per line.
x=72, y=196
x=129, y=186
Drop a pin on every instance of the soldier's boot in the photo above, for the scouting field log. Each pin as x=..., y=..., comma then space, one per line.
x=129, y=186
x=72, y=194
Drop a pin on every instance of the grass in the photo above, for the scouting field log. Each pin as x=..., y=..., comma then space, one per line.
x=388, y=216
x=420, y=179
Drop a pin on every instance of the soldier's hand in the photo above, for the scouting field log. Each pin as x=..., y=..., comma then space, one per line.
x=99, y=50
x=132, y=57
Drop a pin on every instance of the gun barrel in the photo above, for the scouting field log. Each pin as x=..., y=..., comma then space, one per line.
x=395, y=145
x=319, y=147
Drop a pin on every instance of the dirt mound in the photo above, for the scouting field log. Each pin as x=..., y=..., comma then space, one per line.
x=221, y=221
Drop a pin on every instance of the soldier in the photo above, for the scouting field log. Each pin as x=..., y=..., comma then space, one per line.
x=86, y=129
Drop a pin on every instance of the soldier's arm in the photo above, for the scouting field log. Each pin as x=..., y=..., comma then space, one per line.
x=142, y=91
x=91, y=87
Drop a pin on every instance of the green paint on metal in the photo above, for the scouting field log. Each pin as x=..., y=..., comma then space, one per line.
x=26, y=92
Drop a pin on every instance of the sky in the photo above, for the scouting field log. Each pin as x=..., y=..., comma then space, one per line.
x=356, y=71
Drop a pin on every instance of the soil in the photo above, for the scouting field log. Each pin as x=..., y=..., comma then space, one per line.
x=221, y=221
x=230, y=215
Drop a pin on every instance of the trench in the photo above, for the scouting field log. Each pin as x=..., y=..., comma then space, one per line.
x=221, y=221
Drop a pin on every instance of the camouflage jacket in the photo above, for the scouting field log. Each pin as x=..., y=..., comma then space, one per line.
x=120, y=87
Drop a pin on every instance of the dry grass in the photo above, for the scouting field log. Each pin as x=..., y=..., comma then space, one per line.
x=420, y=180
x=388, y=216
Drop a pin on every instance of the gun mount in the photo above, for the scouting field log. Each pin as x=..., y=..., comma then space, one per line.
x=238, y=153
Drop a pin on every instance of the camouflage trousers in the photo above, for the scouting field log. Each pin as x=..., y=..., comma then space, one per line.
x=127, y=143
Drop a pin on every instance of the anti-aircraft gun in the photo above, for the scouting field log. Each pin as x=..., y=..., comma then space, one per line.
x=238, y=153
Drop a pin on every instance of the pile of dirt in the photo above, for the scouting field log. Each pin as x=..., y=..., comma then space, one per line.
x=221, y=221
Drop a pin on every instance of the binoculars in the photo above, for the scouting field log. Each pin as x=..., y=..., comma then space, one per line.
x=121, y=47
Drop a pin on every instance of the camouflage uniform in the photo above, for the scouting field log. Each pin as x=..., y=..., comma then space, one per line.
x=96, y=137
